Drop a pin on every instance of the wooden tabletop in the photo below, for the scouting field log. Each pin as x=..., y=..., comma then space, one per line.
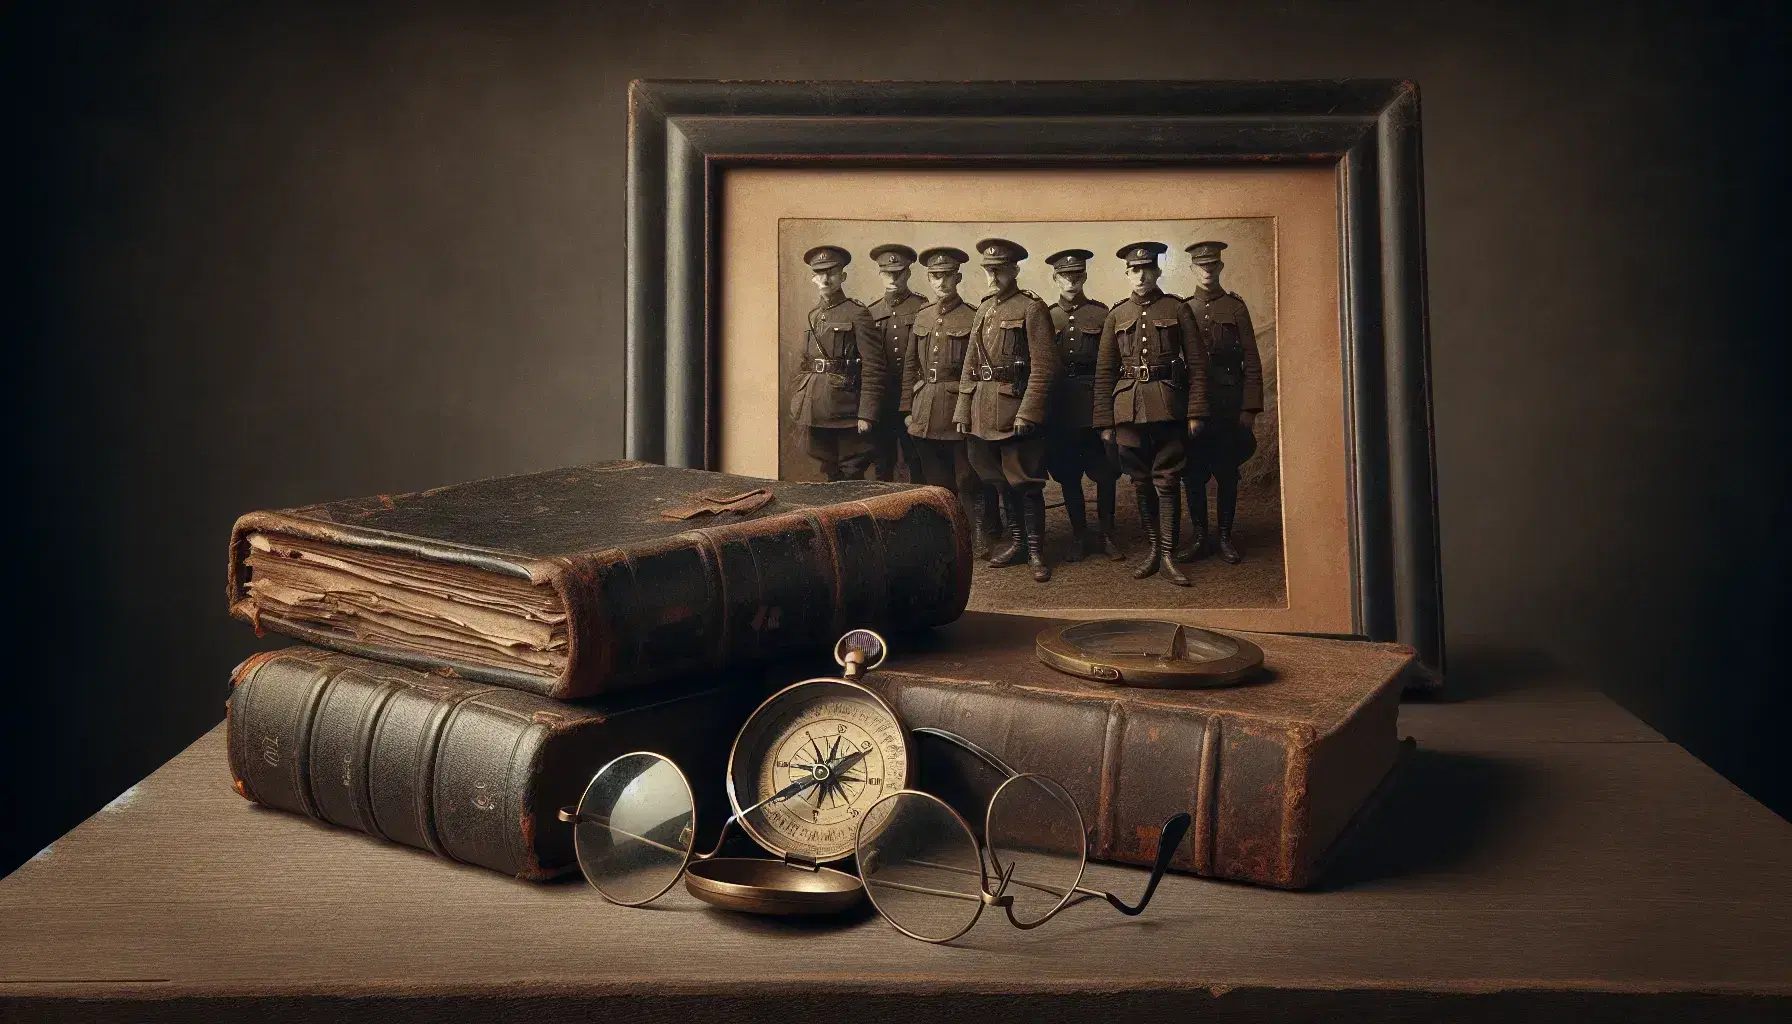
x=1543, y=851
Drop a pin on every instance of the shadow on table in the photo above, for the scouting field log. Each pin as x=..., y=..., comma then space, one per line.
x=1440, y=812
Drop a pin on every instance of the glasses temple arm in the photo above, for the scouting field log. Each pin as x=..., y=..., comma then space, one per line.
x=571, y=816
x=732, y=820
x=998, y=898
x=794, y=789
x=1004, y=875
x=951, y=737
x=1167, y=842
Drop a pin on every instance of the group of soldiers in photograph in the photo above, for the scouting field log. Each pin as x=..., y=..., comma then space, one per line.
x=990, y=400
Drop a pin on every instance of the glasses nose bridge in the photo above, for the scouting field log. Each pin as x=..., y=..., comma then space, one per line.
x=1000, y=898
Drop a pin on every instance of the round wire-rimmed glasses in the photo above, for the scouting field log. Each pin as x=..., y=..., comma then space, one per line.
x=920, y=863
x=925, y=872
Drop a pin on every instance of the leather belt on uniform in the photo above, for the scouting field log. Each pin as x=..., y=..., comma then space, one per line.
x=1077, y=368
x=1156, y=371
x=933, y=375
x=829, y=365
x=988, y=372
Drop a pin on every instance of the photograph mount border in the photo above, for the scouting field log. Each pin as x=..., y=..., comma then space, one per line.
x=683, y=134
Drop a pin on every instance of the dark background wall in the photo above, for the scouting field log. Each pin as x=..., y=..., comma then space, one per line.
x=272, y=254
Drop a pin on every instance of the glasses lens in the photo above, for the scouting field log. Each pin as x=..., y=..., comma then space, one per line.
x=635, y=828
x=921, y=866
x=1035, y=828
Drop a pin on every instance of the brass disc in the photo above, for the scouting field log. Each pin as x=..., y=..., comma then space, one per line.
x=772, y=887
x=1150, y=653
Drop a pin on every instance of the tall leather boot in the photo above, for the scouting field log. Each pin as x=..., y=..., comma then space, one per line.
x=1033, y=502
x=973, y=510
x=1197, y=517
x=1104, y=517
x=1015, y=551
x=991, y=525
x=1148, y=519
x=1169, y=503
x=1228, y=495
x=1077, y=513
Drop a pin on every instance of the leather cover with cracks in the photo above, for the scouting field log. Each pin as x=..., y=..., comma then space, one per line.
x=650, y=599
x=468, y=771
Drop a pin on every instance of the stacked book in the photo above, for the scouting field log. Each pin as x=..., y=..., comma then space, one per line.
x=476, y=652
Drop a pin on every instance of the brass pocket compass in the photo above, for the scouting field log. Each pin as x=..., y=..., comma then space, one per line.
x=803, y=771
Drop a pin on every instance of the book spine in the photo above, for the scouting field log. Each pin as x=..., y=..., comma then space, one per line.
x=374, y=749
x=1131, y=767
x=709, y=598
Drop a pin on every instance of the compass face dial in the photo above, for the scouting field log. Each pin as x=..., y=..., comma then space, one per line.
x=838, y=745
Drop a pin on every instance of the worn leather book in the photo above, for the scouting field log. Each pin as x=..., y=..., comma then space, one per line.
x=1272, y=770
x=468, y=771
x=593, y=579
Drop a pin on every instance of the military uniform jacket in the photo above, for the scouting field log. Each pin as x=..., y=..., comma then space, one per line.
x=932, y=367
x=843, y=373
x=1011, y=346
x=1234, y=370
x=1078, y=332
x=1151, y=361
x=894, y=326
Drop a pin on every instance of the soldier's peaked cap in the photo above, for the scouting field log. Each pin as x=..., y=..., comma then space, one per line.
x=1067, y=260
x=827, y=257
x=1140, y=253
x=892, y=256
x=943, y=258
x=1206, y=252
x=997, y=251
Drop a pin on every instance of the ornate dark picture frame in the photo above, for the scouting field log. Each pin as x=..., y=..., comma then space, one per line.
x=683, y=135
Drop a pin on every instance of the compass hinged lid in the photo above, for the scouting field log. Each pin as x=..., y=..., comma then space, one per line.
x=1148, y=652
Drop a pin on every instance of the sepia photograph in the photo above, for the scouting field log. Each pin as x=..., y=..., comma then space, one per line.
x=1132, y=380
x=1099, y=394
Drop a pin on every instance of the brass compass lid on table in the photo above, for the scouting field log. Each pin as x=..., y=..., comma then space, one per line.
x=1150, y=653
